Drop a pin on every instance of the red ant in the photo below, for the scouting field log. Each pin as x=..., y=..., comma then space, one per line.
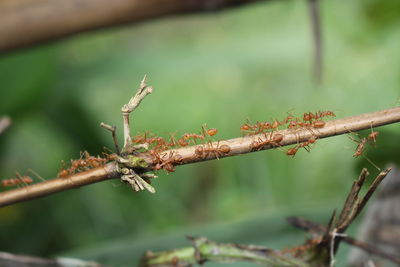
x=287, y=119
x=63, y=173
x=209, y=132
x=360, y=147
x=259, y=127
x=306, y=145
x=168, y=164
x=275, y=140
x=141, y=138
x=193, y=136
x=212, y=132
x=249, y=128
x=363, y=141
x=318, y=124
x=321, y=114
x=19, y=180
x=203, y=152
x=85, y=162
x=372, y=136
x=318, y=115
x=292, y=151
x=181, y=141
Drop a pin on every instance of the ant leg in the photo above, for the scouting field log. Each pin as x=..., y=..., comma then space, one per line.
x=36, y=174
x=19, y=177
x=373, y=164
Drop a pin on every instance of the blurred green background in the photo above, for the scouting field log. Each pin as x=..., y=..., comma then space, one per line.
x=221, y=68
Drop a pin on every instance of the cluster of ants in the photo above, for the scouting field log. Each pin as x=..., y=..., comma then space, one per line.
x=85, y=162
x=309, y=120
x=167, y=162
x=19, y=180
x=157, y=145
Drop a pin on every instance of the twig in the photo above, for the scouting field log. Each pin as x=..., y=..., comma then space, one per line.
x=133, y=103
x=352, y=196
x=55, y=185
x=244, y=145
x=356, y=203
x=237, y=146
x=112, y=129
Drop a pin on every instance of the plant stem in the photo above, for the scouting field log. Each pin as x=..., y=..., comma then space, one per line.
x=205, y=250
x=237, y=146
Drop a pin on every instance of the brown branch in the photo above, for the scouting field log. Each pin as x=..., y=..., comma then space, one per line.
x=354, y=204
x=187, y=155
x=244, y=145
x=29, y=22
x=58, y=184
x=352, y=197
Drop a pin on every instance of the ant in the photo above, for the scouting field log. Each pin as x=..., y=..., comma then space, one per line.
x=272, y=140
x=141, y=138
x=85, y=162
x=371, y=138
x=321, y=114
x=259, y=127
x=168, y=164
x=193, y=136
x=209, y=132
x=249, y=129
x=306, y=145
x=19, y=180
x=287, y=119
x=318, y=124
x=292, y=151
x=181, y=141
x=204, y=152
x=360, y=147
x=318, y=115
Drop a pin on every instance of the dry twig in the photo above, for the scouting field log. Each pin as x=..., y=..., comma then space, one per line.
x=317, y=229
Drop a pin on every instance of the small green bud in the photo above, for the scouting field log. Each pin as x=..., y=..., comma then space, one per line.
x=135, y=162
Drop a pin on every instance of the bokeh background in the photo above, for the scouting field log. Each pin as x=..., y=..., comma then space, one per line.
x=252, y=62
